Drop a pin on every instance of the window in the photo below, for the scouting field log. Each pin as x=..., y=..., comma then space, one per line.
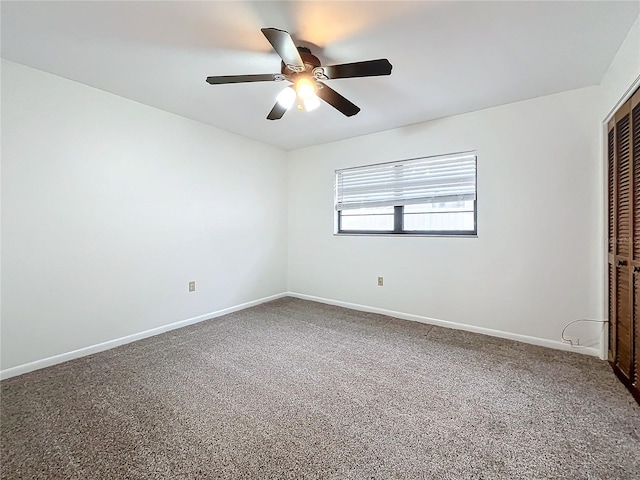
x=421, y=196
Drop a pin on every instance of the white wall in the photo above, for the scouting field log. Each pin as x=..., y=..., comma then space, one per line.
x=110, y=208
x=623, y=72
x=535, y=264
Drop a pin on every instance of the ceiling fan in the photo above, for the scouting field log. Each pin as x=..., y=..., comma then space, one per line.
x=305, y=73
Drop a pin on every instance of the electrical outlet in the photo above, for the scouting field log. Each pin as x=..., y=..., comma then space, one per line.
x=192, y=286
x=380, y=281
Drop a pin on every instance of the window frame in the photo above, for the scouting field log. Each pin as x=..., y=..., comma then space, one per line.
x=398, y=216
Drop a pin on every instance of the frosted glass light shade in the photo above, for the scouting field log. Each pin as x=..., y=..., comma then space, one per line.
x=311, y=103
x=286, y=97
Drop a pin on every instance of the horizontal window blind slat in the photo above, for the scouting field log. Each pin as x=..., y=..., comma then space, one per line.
x=414, y=201
x=423, y=180
x=433, y=190
x=346, y=183
x=435, y=160
x=410, y=182
x=393, y=173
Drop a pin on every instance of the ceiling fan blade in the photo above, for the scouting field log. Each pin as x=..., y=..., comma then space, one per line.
x=283, y=44
x=262, y=77
x=337, y=101
x=277, y=112
x=369, y=68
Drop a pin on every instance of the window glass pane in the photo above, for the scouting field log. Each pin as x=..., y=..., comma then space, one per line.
x=368, y=211
x=440, y=207
x=443, y=217
x=368, y=219
x=439, y=222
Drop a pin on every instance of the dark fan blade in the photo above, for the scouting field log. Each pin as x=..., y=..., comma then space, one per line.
x=369, y=68
x=263, y=77
x=283, y=44
x=277, y=112
x=337, y=101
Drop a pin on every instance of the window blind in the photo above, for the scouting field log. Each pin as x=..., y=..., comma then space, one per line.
x=445, y=178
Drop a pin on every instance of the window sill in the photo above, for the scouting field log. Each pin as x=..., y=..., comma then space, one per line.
x=453, y=235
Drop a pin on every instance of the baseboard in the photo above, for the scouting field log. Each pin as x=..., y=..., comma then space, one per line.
x=543, y=342
x=82, y=352
x=100, y=347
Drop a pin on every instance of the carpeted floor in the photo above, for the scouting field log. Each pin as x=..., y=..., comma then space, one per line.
x=296, y=389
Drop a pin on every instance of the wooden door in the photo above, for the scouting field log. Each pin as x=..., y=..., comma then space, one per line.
x=634, y=140
x=623, y=156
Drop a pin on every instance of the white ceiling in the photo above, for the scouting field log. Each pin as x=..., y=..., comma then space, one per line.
x=448, y=57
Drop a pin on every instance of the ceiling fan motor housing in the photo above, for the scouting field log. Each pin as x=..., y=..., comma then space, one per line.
x=310, y=62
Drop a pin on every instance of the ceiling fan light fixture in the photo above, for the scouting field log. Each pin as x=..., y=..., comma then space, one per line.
x=306, y=88
x=286, y=97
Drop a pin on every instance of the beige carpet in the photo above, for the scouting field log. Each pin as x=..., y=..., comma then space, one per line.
x=296, y=389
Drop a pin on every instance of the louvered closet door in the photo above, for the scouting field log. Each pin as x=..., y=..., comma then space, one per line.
x=635, y=155
x=635, y=379
x=611, y=277
x=623, y=156
x=624, y=196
